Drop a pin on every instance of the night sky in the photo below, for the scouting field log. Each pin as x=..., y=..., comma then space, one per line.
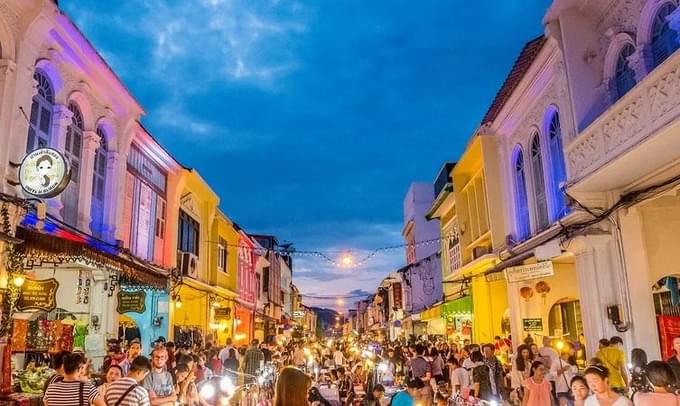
x=310, y=118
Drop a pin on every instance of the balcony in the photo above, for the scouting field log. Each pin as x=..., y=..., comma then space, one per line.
x=443, y=179
x=612, y=144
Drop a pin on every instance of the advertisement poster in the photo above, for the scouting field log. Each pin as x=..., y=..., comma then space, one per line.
x=669, y=328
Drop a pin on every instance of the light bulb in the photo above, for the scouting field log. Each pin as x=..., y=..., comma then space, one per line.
x=207, y=391
x=178, y=304
x=19, y=281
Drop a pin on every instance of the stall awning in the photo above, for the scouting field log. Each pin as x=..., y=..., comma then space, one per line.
x=458, y=307
x=55, y=245
x=431, y=313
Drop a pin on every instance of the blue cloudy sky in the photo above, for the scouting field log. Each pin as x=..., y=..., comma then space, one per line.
x=311, y=117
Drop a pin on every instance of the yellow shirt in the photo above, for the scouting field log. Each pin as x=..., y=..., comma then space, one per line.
x=614, y=360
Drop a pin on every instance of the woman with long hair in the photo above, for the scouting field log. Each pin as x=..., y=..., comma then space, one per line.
x=292, y=387
x=597, y=377
x=579, y=390
x=662, y=380
x=537, y=388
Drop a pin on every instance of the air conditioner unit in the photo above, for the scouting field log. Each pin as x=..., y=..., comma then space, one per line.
x=480, y=251
x=188, y=263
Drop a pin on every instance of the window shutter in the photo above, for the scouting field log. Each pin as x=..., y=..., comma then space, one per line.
x=159, y=246
x=127, y=209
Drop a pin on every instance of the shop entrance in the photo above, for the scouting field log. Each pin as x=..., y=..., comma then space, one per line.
x=667, y=308
x=127, y=329
x=564, y=320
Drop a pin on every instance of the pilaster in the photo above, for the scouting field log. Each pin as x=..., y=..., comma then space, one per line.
x=113, y=194
x=598, y=281
x=90, y=145
x=61, y=118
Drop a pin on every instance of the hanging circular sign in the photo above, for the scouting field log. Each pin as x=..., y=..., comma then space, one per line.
x=44, y=173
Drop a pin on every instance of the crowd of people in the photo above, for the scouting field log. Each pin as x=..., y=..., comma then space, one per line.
x=373, y=372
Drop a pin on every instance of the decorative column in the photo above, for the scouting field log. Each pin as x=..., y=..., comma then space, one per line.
x=644, y=331
x=599, y=279
x=90, y=145
x=61, y=119
x=114, y=195
x=7, y=77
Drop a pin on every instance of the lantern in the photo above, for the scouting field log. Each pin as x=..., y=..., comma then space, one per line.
x=526, y=292
x=543, y=288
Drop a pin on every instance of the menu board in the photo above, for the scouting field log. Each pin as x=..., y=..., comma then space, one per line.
x=535, y=325
x=38, y=295
x=131, y=302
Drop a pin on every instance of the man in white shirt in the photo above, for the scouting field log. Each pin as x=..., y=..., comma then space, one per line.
x=224, y=352
x=338, y=357
x=460, y=377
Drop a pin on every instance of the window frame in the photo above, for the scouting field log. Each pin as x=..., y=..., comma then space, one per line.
x=624, y=74
x=222, y=256
x=189, y=231
x=42, y=108
x=538, y=183
x=522, y=216
x=663, y=40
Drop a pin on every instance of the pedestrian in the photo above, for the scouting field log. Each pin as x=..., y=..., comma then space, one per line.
x=597, y=377
x=128, y=391
x=185, y=385
x=409, y=396
x=376, y=396
x=614, y=359
x=495, y=370
x=638, y=375
x=299, y=356
x=563, y=370
x=292, y=387
x=170, y=364
x=159, y=382
x=64, y=392
x=231, y=363
x=579, y=390
x=437, y=365
x=459, y=376
x=481, y=377
x=114, y=373
x=253, y=359
x=134, y=351
x=537, y=388
x=58, y=366
x=338, y=357
x=345, y=386
x=674, y=361
x=662, y=379
x=202, y=370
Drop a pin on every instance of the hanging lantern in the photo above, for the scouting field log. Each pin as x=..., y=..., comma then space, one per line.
x=543, y=288
x=526, y=292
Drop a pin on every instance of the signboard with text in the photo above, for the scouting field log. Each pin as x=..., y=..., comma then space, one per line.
x=528, y=272
x=131, y=302
x=298, y=314
x=532, y=325
x=222, y=313
x=38, y=295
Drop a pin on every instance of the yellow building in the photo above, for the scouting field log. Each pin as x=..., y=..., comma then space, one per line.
x=202, y=301
x=469, y=205
x=224, y=278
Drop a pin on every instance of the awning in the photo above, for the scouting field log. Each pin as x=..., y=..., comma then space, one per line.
x=431, y=313
x=56, y=245
x=458, y=307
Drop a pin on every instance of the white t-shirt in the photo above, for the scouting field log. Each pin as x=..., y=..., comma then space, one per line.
x=460, y=376
x=338, y=357
x=562, y=381
x=621, y=401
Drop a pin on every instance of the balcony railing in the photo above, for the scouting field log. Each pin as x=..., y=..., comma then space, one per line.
x=650, y=105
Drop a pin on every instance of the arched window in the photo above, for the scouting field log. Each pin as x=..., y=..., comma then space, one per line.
x=73, y=151
x=41, y=113
x=624, y=75
x=521, y=202
x=99, y=186
x=539, y=183
x=664, y=39
x=559, y=171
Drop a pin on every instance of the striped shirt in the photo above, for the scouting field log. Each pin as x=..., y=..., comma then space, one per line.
x=137, y=396
x=252, y=360
x=67, y=393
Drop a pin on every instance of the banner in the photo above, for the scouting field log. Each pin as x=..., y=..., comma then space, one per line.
x=669, y=328
x=528, y=272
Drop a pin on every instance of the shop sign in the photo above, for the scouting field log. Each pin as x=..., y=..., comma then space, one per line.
x=532, y=325
x=298, y=314
x=131, y=302
x=528, y=272
x=44, y=173
x=38, y=295
x=222, y=313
